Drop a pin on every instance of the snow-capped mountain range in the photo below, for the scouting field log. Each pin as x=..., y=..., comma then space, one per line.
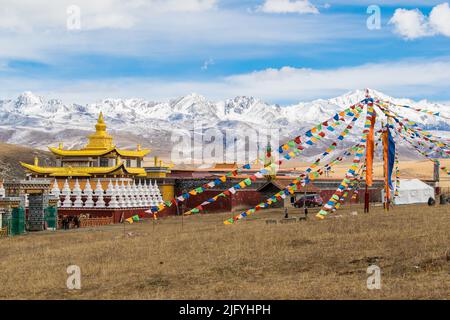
x=35, y=121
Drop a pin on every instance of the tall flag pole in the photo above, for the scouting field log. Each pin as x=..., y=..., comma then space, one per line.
x=385, y=167
x=268, y=161
x=389, y=160
x=369, y=157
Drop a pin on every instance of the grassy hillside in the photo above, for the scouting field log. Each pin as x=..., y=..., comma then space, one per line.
x=11, y=154
x=201, y=258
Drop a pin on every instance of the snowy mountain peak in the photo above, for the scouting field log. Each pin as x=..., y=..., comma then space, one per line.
x=43, y=121
x=29, y=98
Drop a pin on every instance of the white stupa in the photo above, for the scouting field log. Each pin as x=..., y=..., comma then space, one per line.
x=158, y=196
x=118, y=194
x=130, y=194
x=76, y=189
x=123, y=189
x=127, y=201
x=148, y=188
x=98, y=189
x=110, y=190
x=89, y=203
x=78, y=203
x=151, y=189
x=137, y=195
x=87, y=188
x=124, y=195
x=121, y=201
x=143, y=194
x=66, y=189
x=152, y=202
x=113, y=202
x=54, y=192
x=67, y=203
x=100, y=203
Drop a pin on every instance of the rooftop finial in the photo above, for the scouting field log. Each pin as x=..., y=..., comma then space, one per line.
x=100, y=126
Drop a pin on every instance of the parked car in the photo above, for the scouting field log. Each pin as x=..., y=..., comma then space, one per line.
x=311, y=200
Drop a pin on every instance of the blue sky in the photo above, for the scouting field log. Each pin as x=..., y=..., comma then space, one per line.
x=282, y=51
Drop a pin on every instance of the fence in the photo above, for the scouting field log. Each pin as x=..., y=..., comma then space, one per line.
x=86, y=221
x=3, y=232
x=445, y=190
x=95, y=222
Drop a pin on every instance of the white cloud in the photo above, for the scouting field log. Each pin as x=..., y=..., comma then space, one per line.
x=186, y=5
x=27, y=15
x=415, y=79
x=413, y=24
x=410, y=24
x=164, y=36
x=289, y=83
x=440, y=19
x=288, y=6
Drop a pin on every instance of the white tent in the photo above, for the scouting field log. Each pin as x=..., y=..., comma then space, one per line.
x=412, y=191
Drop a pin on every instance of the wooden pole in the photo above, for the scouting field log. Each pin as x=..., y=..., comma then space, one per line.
x=386, y=168
x=366, y=200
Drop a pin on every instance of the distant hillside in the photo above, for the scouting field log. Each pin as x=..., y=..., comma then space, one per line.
x=11, y=154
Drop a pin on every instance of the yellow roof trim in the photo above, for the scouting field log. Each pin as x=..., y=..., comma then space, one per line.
x=131, y=153
x=89, y=152
x=82, y=152
x=82, y=171
x=71, y=174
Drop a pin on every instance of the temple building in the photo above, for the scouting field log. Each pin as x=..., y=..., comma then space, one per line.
x=100, y=158
x=101, y=180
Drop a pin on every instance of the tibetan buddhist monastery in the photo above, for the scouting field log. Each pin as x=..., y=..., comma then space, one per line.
x=100, y=158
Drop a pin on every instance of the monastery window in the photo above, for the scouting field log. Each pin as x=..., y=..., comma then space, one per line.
x=104, y=162
x=138, y=162
x=128, y=163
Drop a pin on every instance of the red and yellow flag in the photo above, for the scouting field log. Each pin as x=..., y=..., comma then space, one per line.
x=370, y=145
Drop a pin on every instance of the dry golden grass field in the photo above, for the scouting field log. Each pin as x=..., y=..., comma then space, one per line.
x=200, y=258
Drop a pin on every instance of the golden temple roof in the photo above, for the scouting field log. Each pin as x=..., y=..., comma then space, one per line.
x=83, y=171
x=101, y=152
x=99, y=143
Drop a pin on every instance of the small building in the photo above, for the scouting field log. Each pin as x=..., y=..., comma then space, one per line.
x=412, y=191
x=274, y=186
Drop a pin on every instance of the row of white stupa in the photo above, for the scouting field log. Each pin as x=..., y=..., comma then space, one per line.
x=122, y=195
